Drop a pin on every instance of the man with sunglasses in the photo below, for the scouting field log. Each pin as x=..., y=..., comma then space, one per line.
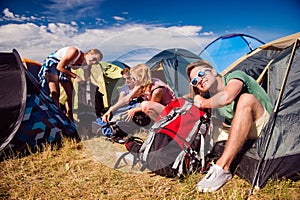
x=241, y=101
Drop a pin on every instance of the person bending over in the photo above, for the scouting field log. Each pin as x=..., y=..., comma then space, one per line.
x=56, y=68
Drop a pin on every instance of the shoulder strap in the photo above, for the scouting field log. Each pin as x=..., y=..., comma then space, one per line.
x=161, y=86
x=172, y=115
x=79, y=53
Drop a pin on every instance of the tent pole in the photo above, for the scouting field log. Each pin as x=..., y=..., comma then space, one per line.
x=274, y=114
x=286, y=76
x=176, y=72
x=260, y=78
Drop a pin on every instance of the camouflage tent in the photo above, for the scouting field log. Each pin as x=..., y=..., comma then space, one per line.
x=36, y=118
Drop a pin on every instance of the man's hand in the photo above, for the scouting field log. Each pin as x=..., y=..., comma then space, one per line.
x=198, y=100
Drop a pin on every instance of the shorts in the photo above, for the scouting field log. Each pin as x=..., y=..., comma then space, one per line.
x=258, y=125
x=221, y=133
x=49, y=67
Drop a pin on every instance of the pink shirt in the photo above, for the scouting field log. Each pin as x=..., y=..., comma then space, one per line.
x=167, y=94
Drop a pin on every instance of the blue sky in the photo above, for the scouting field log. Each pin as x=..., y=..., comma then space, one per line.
x=135, y=30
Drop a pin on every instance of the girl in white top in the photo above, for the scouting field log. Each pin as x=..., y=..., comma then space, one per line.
x=56, y=69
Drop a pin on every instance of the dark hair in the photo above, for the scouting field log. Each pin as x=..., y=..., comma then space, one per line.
x=125, y=70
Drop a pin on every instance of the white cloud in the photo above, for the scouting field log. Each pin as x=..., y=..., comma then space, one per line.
x=73, y=23
x=64, y=5
x=100, y=21
x=61, y=29
x=186, y=30
x=117, y=18
x=36, y=42
x=207, y=33
x=14, y=17
x=64, y=9
x=8, y=14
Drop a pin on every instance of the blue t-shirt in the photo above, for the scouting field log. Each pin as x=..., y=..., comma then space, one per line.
x=125, y=89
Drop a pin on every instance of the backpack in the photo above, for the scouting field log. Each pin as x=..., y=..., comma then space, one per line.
x=133, y=145
x=175, y=143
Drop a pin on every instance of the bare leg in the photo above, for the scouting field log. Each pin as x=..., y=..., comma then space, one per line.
x=152, y=109
x=54, y=87
x=68, y=87
x=248, y=109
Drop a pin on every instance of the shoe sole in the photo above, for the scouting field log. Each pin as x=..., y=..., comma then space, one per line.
x=204, y=190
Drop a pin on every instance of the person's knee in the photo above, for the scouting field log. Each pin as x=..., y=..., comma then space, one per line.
x=246, y=98
x=55, y=95
x=149, y=109
x=145, y=106
x=247, y=101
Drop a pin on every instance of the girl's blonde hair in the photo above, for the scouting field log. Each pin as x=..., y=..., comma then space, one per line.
x=142, y=73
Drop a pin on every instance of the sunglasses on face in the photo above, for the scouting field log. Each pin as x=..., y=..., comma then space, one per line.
x=195, y=81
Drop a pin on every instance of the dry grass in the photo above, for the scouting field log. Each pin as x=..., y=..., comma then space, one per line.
x=72, y=172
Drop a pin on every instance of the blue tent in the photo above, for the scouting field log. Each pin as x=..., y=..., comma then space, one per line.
x=226, y=49
x=120, y=64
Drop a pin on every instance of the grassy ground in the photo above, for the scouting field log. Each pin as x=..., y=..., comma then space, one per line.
x=73, y=172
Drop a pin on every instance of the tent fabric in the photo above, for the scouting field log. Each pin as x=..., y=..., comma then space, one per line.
x=105, y=77
x=92, y=98
x=224, y=50
x=173, y=63
x=41, y=120
x=32, y=66
x=120, y=64
x=12, y=96
x=276, y=154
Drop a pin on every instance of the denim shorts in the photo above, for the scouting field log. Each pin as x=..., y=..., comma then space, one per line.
x=50, y=66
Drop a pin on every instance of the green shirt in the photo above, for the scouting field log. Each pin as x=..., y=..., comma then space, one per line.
x=250, y=86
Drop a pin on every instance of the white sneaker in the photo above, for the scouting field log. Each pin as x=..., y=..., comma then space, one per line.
x=215, y=178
